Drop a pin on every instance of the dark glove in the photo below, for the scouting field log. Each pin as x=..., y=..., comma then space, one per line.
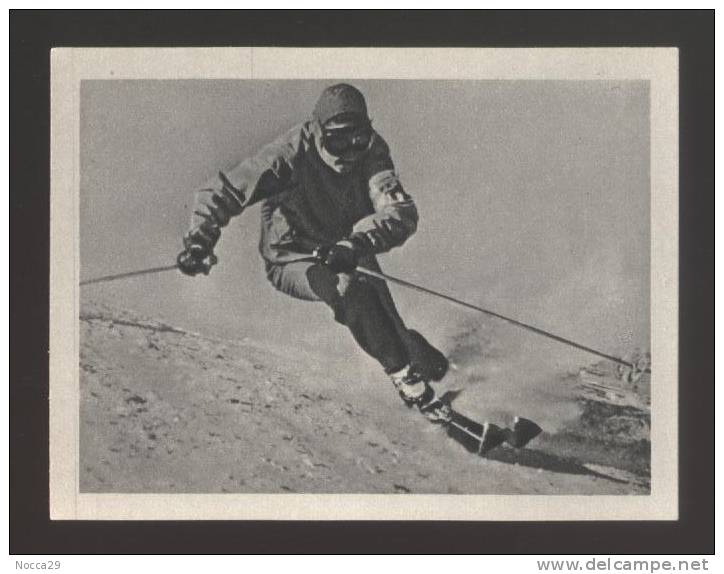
x=341, y=257
x=190, y=265
x=198, y=255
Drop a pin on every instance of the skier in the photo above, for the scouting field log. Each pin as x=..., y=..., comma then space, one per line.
x=329, y=186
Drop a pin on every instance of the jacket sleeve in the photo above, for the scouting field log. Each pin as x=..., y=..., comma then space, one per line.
x=251, y=181
x=395, y=215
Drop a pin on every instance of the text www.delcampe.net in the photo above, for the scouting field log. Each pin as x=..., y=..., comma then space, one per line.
x=623, y=565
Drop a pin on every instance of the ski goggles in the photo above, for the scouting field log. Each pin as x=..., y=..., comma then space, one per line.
x=345, y=140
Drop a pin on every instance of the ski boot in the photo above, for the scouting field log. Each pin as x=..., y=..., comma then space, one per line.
x=415, y=391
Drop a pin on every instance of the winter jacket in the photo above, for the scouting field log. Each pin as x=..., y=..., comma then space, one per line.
x=305, y=203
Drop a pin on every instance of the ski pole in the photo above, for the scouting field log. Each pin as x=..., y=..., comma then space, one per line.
x=527, y=327
x=292, y=247
x=419, y=288
x=128, y=274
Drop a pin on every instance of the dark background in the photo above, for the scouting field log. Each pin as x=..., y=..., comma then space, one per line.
x=33, y=33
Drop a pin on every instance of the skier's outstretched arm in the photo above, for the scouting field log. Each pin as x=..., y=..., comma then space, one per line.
x=228, y=195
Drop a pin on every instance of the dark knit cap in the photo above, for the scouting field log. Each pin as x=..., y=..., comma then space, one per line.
x=337, y=100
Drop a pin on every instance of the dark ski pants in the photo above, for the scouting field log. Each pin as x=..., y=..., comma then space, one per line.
x=361, y=303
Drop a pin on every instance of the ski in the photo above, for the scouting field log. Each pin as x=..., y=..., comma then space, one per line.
x=481, y=438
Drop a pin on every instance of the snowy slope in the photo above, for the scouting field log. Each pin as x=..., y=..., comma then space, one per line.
x=165, y=410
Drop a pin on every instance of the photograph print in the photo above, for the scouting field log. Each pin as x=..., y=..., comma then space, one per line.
x=316, y=289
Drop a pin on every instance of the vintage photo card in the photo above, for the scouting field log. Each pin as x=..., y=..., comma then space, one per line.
x=364, y=284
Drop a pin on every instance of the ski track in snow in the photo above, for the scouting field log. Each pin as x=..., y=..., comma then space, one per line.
x=164, y=410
